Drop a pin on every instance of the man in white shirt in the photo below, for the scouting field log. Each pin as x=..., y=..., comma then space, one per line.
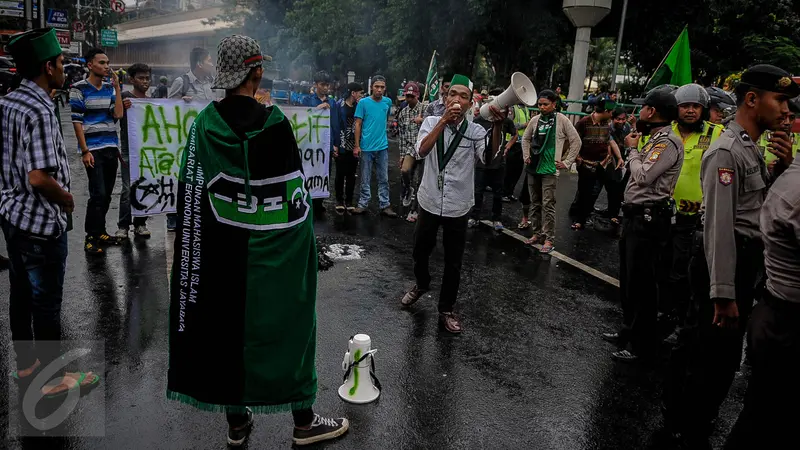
x=451, y=145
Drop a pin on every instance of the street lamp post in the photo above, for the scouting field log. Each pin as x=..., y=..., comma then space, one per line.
x=584, y=14
x=619, y=45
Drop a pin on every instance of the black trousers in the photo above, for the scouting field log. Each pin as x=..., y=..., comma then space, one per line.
x=616, y=192
x=674, y=274
x=514, y=167
x=454, y=238
x=101, y=184
x=237, y=417
x=590, y=181
x=769, y=416
x=706, y=358
x=640, y=251
x=494, y=179
x=345, y=183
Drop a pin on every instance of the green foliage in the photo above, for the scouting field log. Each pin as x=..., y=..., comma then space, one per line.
x=490, y=39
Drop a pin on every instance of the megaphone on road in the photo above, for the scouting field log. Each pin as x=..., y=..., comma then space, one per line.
x=521, y=90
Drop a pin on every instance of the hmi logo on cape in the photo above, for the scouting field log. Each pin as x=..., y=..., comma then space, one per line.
x=275, y=203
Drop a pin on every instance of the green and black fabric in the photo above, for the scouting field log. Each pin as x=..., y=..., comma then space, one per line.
x=543, y=148
x=244, y=278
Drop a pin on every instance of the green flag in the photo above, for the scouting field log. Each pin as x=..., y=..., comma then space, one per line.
x=432, y=81
x=676, y=68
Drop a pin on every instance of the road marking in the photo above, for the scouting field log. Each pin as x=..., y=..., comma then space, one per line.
x=577, y=264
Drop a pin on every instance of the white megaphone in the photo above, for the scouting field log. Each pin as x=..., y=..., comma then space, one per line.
x=521, y=90
x=360, y=383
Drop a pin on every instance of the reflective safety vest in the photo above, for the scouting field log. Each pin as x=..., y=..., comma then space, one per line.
x=768, y=156
x=521, y=117
x=688, y=192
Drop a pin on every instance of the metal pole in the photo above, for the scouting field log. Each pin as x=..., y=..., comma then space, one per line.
x=619, y=46
x=40, y=6
x=29, y=14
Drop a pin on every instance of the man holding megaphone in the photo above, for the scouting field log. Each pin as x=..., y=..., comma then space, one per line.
x=451, y=145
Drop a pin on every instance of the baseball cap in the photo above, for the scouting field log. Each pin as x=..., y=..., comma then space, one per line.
x=411, y=89
x=236, y=55
x=770, y=78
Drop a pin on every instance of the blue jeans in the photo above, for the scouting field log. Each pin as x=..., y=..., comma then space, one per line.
x=381, y=160
x=36, y=276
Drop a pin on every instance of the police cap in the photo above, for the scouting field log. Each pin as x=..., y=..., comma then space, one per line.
x=668, y=88
x=663, y=101
x=770, y=78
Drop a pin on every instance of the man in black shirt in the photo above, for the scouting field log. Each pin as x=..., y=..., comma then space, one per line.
x=346, y=163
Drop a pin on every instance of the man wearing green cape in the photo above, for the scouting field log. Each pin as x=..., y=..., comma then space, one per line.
x=244, y=280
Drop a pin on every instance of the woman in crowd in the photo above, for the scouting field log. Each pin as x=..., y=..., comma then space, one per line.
x=542, y=148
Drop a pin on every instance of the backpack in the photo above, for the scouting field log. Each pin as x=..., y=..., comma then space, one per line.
x=186, y=84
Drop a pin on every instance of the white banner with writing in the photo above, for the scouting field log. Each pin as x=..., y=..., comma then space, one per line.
x=157, y=133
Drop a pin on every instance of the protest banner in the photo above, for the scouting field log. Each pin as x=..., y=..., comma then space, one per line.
x=157, y=134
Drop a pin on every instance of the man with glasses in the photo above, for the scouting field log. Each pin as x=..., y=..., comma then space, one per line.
x=140, y=79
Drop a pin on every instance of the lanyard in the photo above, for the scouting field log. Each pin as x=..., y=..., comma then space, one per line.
x=445, y=158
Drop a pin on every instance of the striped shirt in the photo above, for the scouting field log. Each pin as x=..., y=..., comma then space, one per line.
x=94, y=108
x=31, y=140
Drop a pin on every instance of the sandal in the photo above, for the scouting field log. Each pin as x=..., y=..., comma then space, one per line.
x=340, y=209
x=524, y=225
x=615, y=220
x=84, y=388
x=547, y=247
x=532, y=241
x=21, y=380
x=577, y=226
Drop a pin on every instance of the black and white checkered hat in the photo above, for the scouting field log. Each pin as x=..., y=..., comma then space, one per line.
x=236, y=55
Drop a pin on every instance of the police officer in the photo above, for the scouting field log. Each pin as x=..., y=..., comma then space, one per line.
x=722, y=105
x=697, y=135
x=725, y=270
x=769, y=417
x=648, y=213
x=785, y=131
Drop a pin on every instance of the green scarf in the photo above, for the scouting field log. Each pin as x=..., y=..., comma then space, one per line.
x=244, y=279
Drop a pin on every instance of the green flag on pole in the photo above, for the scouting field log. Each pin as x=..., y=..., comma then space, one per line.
x=676, y=68
x=432, y=81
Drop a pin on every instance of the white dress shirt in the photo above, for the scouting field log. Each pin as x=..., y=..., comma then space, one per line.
x=457, y=195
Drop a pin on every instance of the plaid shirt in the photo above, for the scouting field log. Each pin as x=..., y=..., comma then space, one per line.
x=408, y=128
x=31, y=140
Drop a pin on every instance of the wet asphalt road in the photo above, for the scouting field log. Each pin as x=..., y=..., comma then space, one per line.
x=529, y=372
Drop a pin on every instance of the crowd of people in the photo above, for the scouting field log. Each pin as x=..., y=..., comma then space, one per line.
x=707, y=203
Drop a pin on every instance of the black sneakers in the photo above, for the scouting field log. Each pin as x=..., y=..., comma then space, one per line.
x=236, y=437
x=322, y=429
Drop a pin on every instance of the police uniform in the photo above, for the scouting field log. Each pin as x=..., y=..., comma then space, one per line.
x=767, y=421
x=648, y=213
x=726, y=266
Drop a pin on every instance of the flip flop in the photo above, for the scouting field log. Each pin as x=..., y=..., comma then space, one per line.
x=78, y=386
x=523, y=225
x=547, y=248
x=532, y=241
x=577, y=226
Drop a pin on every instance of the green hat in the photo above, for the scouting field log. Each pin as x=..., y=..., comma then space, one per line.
x=35, y=46
x=461, y=80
